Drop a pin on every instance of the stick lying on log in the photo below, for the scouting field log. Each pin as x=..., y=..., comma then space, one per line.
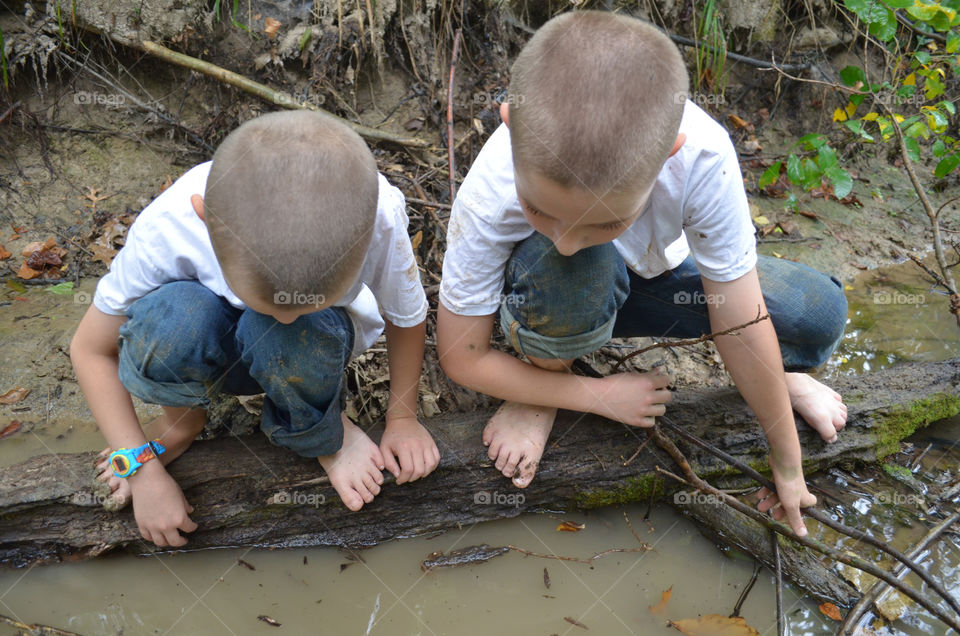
x=249, y=493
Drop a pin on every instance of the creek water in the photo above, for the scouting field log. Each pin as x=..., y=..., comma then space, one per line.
x=323, y=591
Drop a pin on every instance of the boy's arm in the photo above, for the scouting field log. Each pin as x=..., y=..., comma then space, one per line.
x=158, y=503
x=404, y=436
x=463, y=345
x=754, y=362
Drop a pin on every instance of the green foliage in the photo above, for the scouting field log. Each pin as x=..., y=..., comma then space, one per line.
x=921, y=67
x=711, y=49
x=233, y=14
x=809, y=172
x=3, y=62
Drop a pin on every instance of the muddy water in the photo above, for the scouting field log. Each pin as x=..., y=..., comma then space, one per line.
x=320, y=590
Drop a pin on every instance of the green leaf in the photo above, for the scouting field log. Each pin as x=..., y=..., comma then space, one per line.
x=922, y=12
x=856, y=100
x=63, y=289
x=856, y=126
x=885, y=27
x=913, y=148
x=17, y=287
x=953, y=42
x=811, y=174
x=933, y=87
x=794, y=170
x=948, y=106
x=841, y=179
x=917, y=129
x=812, y=141
x=853, y=74
x=826, y=157
x=947, y=165
x=922, y=56
x=899, y=4
x=792, y=202
x=939, y=148
x=770, y=175
x=305, y=38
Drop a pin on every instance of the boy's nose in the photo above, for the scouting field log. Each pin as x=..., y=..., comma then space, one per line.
x=566, y=242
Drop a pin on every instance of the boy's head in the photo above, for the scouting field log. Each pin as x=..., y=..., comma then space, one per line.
x=594, y=110
x=290, y=204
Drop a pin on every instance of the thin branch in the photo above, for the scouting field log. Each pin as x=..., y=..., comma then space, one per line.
x=778, y=574
x=873, y=594
x=691, y=341
x=815, y=544
x=824, y=519
x=268, y=94
x=451, y=154
x=644, y=548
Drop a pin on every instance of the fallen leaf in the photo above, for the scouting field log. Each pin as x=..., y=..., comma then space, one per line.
x=575, y=622
x=546, y=578
x=27, y=273
x=14, y=395
x=761, y=220
x=739, y=122
x=416, y=240
x=831, y=611
x=249, y=566
x=788, y=227
x=414, y=124
x=270, y=27
x=166, y=184
x=661, y=607
x=4, y=254
x=10, y=429
x=714, y=625
x=263, y=617
x=36, y=246
x=752, y=146
x=570, y=526
x=808, y=214
x=892, y=605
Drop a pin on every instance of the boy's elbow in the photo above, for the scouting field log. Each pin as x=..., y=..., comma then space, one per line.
x=454, y=366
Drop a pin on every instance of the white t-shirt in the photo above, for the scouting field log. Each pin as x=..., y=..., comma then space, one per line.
x=697, y=205
x=169, y=242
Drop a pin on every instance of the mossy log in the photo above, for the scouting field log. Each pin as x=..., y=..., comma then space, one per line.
x=247, y=492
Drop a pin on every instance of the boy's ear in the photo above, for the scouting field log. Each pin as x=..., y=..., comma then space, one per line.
x=678, y=144
x=197, y=202
x=505, y=113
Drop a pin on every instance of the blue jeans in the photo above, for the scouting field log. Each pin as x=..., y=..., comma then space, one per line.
x=563, y=307
x=182, y=344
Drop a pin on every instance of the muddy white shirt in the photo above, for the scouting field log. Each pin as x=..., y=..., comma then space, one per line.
x=169, y=242
x=697, y=205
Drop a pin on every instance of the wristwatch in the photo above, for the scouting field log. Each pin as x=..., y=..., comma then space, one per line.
x=126, y=461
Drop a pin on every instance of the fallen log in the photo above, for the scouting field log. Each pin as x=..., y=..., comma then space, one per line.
x=247, y=492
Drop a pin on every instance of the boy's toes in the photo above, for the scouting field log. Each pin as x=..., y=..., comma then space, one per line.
x=351, y=499
x=528, y=468
x=371, y=485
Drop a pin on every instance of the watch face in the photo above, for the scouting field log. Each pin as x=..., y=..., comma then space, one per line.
x=120, y=464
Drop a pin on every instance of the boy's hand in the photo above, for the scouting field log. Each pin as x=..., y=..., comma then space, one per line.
x=792, y=495
x=410, y=442
x=159, y=506
x=632, y=398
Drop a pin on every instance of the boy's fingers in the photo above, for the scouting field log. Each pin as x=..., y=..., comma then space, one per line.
x=418, y=466
x=391, y=462
x=406, y=466
x=795, y=519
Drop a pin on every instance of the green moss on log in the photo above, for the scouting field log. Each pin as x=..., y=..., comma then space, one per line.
x=902, y=422
x=639, y=488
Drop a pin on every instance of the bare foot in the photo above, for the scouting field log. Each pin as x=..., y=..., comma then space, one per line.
x=820, y=406
x=176, y=429
x=355, y=469
x=517, y=434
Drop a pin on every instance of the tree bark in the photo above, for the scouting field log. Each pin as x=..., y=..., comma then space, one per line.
x=247, y=492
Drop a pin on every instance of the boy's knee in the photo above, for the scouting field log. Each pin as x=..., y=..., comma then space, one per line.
x=173, y=333
x=555, y=295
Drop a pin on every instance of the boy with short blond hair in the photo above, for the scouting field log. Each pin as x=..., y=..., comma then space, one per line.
x=614, y=207
x=258, y=272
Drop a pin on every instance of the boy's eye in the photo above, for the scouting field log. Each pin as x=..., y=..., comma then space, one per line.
x=616, y=225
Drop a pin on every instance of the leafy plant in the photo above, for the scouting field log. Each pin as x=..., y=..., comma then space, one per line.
x=711, y=48
x=809, y=172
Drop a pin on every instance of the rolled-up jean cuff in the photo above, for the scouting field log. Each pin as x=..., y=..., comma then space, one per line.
x=182, y=394
x=530, y=343
x=324, y=437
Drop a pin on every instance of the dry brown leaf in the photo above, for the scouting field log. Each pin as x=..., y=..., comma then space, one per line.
x=714, y=625
x=575, y=622
x=661, y=607
x=38, y=246
x=10, y=429
x=26, y=273
x=831, y=611
x=270, y=26
x=739, y=122
x=4, y=254
x=166, y=184
x=570, y=526
x=14, y=395
x=416, y=240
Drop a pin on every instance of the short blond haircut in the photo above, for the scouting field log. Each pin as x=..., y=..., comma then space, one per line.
x=290, y=205
x=596, y=101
